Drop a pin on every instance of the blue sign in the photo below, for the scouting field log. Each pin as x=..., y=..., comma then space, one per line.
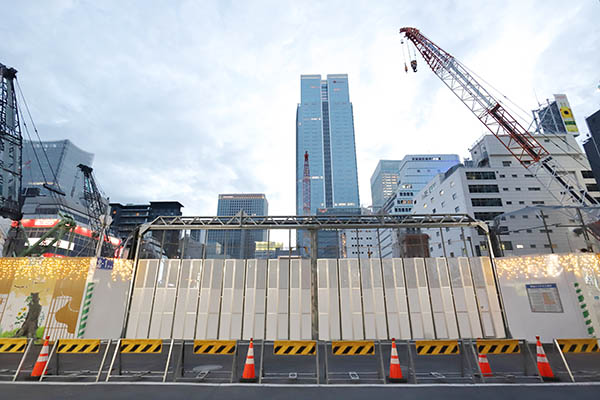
x=104, y=263
x=541, y=286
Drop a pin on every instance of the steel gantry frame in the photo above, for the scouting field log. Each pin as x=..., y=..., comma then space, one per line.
x=312, y=224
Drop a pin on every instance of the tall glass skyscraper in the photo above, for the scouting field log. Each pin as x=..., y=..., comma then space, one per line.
x=325, y=129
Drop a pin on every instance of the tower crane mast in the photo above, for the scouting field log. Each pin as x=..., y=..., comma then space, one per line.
x=513, y=136
x=96, y=207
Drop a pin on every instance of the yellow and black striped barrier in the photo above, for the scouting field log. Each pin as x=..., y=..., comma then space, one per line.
x=353, y=348
x=437, y=347
x=141, y=346
x=295, y=347
x=500, y=346
x=578, y=345
x=214, y=346
x=8, y=345
x=78, y=346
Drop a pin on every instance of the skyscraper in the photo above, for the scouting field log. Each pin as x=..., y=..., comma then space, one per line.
x=384, y=181
x=239, y=243
x=325, y=129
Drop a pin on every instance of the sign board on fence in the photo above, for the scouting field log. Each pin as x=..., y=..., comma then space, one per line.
x=544, y=297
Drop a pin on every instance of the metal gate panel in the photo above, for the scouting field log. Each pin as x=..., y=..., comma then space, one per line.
x=351, y=310
x=230, y=326
x=395, y=296
x=255, y=299
x=300, y=302
x=329, y=300
x=373, y=299
x=207, y=326
x=418, y=298
x=277, y=300
x=139, y=316
x=464, y=298
x=441, y=298
x=187, y=299
x=164, y=299
x=487, y=297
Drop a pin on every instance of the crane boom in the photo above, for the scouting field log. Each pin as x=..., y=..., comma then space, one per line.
x=513, y=136
x=95, y=205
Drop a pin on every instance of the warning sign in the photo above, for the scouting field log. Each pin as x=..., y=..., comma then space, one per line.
x=544, y=297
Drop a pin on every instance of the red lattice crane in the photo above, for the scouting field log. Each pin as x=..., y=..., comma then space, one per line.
x=306, y=186
x=517, y=140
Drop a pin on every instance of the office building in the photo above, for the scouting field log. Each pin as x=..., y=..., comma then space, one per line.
x=237, y=243
x=384, y=181
x=325, y=129
x=498, y=193
x=555, y=117
x=592, y=144
x=414, y=172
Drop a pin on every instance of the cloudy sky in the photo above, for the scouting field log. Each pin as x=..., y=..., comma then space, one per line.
x=182, y=100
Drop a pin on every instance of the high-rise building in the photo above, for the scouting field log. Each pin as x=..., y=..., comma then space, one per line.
x=556, y=117
x=238, y=243
x=325, y=129
x=384, y=181
x=592, y=144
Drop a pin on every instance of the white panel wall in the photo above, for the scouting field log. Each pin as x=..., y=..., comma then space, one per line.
x=255, y=299
x=418, y=299
x=485, y=290
x=351, y=310
x=209, y=306
x=187, y=299
x=442, y=303
x=278, y=300
x=465, y=303
x=395, y=295
x=329, y=305
x=232, y=300
x=300, y=304
x=164, y=299
x=373, y=299
x=141, y=302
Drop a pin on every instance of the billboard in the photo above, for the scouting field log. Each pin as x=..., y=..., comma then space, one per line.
x=566, y=113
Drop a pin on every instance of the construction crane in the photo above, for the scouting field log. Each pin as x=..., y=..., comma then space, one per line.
x=306, y=186
x=96, y=207
x=515, y=138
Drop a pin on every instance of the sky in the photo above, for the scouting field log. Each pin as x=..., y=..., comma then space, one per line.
x=183, y=100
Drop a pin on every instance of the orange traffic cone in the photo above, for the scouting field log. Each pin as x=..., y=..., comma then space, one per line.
x=395, y=370
x=542, y=362
x=249, y=374
x=484, y=365
x=40, y=364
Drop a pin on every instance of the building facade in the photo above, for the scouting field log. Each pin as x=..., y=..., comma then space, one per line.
x=237, y=243
x=325, y=129
x=384, y=181
x=497, y=191
x=592, y=144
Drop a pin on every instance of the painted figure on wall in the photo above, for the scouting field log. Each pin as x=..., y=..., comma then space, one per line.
x=30, y=325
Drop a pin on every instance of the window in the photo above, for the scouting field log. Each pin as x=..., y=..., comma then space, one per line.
x=507, y=246
x=492, y=202
x=478, y=175
x=483, y=189
x=532, y=246
x=533, y=189
x=528, y=176
x=514, y=175
x=528, y=231
x=441, y=192
x=537, y=202
x=587, y=174
x=486, y=216
x=437, y=233
x=451, y=254
x=521, y=202
x=506, y=163
x=502, y=176
x=545, y=230
x=456, y=209
x=443, y=204
x=591, y=187
x=505, y=189
x=525, y=216
x=518, y=189
x=509, y=202
x=433, y=211
x=453, y=196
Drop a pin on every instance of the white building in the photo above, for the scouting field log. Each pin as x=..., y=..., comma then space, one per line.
x=494, y=183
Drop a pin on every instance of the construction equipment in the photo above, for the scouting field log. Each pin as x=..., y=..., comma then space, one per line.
x=496, y=118
x=306, y=186
x=97, y=208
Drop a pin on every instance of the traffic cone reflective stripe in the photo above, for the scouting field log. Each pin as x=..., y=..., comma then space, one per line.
x=40, y=364
x=542, y=362
x=249, y=375
x=484, y=365
x=395, y=370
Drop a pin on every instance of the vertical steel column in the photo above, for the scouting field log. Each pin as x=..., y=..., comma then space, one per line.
x=136, y=261
x=462, y=232
x=314, y=284
x=547, y=232
x=586, y=236
x=443, y=244
x=497, y=282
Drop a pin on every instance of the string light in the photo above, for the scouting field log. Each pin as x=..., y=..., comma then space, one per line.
x=72, y=268
x=548, y=266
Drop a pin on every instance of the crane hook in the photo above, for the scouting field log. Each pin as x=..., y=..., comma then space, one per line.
x=413, y=65
x=405, y=68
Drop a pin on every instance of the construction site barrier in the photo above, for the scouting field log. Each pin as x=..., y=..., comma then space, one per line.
x=12, y=356
x=581, y=358
x=213, y=361
x=359, y=354
x=510, y=360
x=80, y=358
x=141, y=353
x=297, y=361
x=441, y=361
